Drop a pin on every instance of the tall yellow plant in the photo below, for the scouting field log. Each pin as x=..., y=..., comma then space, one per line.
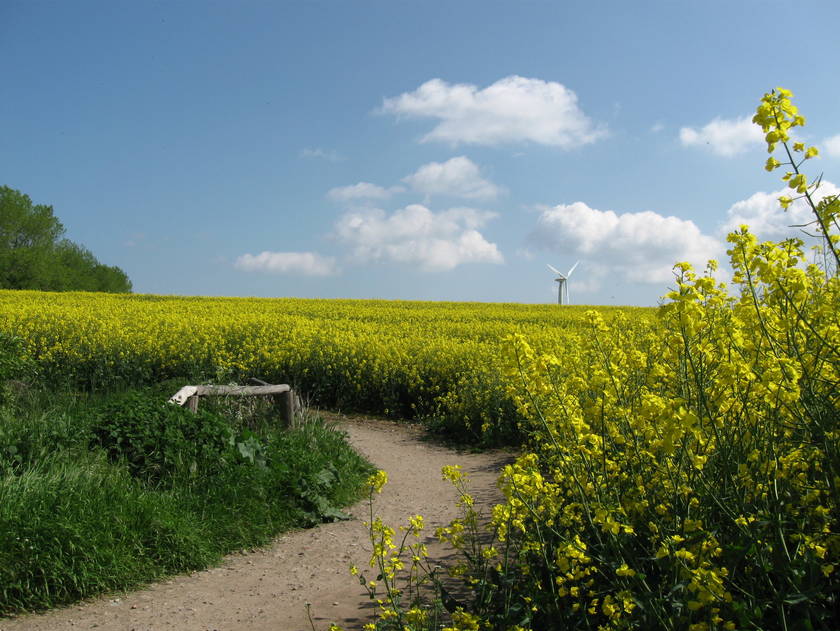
x=687, y=477
x=684, y=475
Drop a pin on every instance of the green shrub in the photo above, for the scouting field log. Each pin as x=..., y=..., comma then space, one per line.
x=158, y=440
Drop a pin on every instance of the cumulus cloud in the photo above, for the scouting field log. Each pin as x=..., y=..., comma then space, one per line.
x=724, y=137
x=306, y=263
x=513, y=109
x=766, y=219
x=832, y=146
x=416, y=235
x=458, y=177
x=637, y=247
x=362, y=190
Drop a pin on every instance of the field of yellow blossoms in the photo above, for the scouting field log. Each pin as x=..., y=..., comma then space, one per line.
x=411, y=360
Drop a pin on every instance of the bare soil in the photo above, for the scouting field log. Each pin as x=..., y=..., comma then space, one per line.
x=267, y=589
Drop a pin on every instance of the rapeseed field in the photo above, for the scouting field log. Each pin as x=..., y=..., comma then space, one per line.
x=439, y=362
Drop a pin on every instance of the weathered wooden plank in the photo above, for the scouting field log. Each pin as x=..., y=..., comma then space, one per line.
x=204, y=391
x=183, y=394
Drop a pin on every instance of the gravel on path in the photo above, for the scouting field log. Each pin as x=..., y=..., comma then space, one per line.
x=267, y=589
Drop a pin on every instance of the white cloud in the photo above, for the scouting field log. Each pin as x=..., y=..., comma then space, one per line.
x=724, y=137
x=459, y=177
x=306, y=263
x=514, y=109
x=414, y=234
x=325, y=154
x=765, y=217
x=832, y=146
x=362, y=190
x=637, y=247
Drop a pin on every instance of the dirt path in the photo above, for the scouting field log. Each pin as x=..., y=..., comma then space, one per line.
x=268, y=588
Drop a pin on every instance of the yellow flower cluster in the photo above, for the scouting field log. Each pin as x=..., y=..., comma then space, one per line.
x=402, y=568
x=702, y=453
x=777, y=115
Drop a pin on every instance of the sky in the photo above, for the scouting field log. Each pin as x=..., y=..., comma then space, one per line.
x=410, y=150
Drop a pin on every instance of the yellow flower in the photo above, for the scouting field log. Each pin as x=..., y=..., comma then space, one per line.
x=684, y=554
x=799, y=182
x=416, y=524
x=464, y=621
x=453, y=473
x=377, y=481
x=772, y=163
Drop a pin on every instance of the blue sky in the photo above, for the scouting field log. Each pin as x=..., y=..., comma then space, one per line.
x=408, y=150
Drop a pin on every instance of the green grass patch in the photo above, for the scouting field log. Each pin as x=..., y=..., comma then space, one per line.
x=104, y=494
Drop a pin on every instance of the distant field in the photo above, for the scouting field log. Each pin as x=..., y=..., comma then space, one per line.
x=430, y=361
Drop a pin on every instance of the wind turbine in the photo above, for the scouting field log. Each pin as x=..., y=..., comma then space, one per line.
x=562, y=284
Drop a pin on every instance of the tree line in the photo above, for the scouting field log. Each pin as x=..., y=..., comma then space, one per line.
x=34, y=254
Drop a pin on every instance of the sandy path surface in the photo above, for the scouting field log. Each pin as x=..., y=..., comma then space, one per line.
x=268, y=588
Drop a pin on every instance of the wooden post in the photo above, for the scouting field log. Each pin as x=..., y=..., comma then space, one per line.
x=285, y=402
x=192, y=403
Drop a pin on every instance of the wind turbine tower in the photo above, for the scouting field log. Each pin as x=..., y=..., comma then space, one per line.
x=563, y=284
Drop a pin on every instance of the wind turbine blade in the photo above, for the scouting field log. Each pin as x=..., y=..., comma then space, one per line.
x=554, y=269
x=573, y=269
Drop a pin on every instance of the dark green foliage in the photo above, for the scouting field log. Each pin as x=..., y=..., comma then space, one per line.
x=33, y=255
x=158, y=440
x=77, y=269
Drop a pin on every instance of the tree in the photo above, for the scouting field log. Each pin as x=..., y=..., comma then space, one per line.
x=34, y=256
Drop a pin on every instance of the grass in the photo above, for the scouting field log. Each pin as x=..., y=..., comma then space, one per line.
x=76, y=520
